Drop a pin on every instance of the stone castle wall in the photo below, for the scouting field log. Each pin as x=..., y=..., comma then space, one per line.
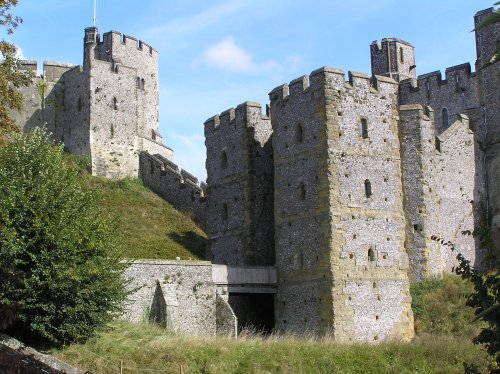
x=180, y=295
x=340, y=185
x=178, y=187
x=107, y=109
x=457, y=93
x=421, y=205
x=489, y=81
x=456, y=184
x=240, y=193
x=338, y=209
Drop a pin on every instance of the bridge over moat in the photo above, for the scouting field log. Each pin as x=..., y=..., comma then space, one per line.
x=201, y=297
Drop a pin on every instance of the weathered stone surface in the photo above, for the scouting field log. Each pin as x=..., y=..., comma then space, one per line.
x=15, y=357
x=340, y=185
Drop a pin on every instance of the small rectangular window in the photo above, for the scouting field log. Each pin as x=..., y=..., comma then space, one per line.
x=364, y=128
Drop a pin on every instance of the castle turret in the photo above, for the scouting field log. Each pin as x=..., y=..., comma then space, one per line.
x=487, y=42
x=89, y=43
x=393, y=58
x=240, y=187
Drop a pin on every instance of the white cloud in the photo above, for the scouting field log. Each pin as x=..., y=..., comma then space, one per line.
x=228, y=56
x=191, y=155
x=197, y=22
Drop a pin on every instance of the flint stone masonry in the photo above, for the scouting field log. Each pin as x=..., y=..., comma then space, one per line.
x=176, y=186
x=240, y=187
x=322, y=208
x=181, y=293
x=192, y=296
x=338, y=211
x=106, y=109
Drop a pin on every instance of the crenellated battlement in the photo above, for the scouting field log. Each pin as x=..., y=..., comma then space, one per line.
x=30, y=65
x=51, y=69
x=115, y=39
x=458, y=75
x=233, y=117
x=379, y=47
x=177, y=186
x=330, y=78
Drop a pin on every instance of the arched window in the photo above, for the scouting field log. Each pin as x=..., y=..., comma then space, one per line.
x=115, y=103
x=401, y=55
x=371, y=255
x=444, y=118
x=138, y=83
x=301, y=191
x=223, y=160
x=79, y=105
x=368, y=188
x=364, y=128
x=143, y=84
x=225, y=212
x=299, y=133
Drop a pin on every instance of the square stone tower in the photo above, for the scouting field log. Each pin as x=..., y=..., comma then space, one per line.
x=111, y=104
x=340, y=228
x=393, y=58
x=240, y=187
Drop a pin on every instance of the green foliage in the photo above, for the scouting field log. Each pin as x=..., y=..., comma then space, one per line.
x=146, y=348
x=10, y=78
x=61, y=271
x=439, y=306
x=485, y=298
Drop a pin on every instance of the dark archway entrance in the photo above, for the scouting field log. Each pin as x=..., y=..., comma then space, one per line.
x=254, y=311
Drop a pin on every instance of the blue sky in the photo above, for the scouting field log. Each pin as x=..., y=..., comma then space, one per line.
x=214, y=55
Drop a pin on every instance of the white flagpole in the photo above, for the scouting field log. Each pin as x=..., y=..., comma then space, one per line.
x=95, y=7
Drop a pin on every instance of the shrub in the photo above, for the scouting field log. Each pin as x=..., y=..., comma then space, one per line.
x=439, y=306
x=60, y=269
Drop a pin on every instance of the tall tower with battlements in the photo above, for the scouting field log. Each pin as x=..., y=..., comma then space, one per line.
x=340, y=229
x=122, y=95
x=393, y=58
x=106, y=109
x=239, y=164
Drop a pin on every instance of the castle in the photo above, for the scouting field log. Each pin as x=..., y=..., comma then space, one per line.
x=320, y=211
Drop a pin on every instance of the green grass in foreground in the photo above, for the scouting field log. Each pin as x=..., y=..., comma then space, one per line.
x=150, y=349
x=148, y=226
x=444, y=345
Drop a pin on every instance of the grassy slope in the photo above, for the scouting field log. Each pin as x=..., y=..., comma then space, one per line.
x=148, y=227
x=441, y=347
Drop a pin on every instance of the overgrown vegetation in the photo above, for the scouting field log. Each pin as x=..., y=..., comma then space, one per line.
x=150, y=349
x=443, y=345
x=148, y=226
x=485, y=297
x=61, y=271
x=439, y=306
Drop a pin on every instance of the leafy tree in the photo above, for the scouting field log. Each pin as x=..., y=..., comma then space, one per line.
x=10, y=78
x=60, y=271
